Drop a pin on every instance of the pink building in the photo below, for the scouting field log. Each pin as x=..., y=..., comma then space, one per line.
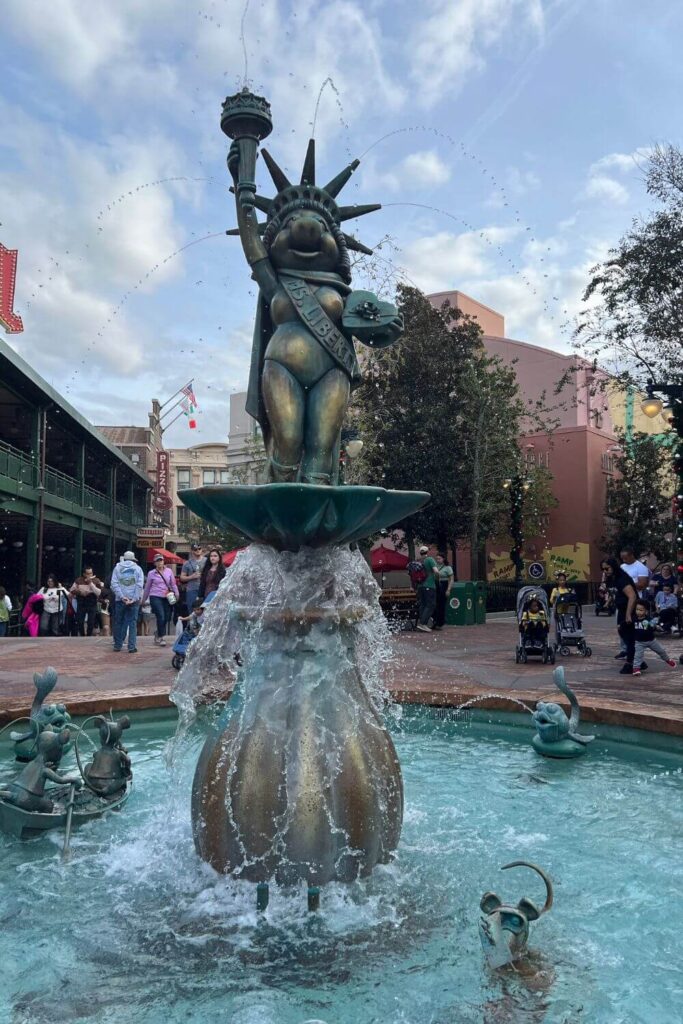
x=579, y=454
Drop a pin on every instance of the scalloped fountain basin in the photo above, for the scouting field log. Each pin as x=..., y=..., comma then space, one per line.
x=137, y=928
x=291, y=516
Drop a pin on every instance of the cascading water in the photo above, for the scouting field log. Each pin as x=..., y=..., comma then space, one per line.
x=305, y=716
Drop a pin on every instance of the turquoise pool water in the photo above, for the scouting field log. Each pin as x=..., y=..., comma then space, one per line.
x=136, y=930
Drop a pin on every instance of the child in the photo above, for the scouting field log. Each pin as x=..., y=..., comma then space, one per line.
x=645, y=638
x=534, y=622
x=560, y=590
x=666, y=603
x=192, y=623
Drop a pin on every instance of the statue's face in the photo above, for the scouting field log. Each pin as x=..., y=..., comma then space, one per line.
x=551, y=721
x=305, y=242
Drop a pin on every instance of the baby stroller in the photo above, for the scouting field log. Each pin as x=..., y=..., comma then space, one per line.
x=605, y=600
x=568, y=627
x=529, y=644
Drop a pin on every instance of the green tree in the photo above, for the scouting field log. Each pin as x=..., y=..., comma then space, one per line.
x=633, y=322
x=638, y=506
x=437, y=414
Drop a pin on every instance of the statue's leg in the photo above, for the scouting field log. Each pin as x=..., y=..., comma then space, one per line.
x=285, y=403
x=325, y=411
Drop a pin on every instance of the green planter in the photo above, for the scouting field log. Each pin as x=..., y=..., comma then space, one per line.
x=460, y=607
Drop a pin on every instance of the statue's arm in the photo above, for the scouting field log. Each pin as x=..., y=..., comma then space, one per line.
x=373, y=323
x=254, y=249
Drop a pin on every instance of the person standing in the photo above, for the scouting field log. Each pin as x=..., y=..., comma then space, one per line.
x=162, y=591
x=190, y=575
x=5, y=609
x=666, y=604
x=636, y=569
x=127, y=582
x=426, y=595
x=86, y=589
x=212, y=574
x=644, y=631
x=625, y=602
x=443, y=589
x=54, y=597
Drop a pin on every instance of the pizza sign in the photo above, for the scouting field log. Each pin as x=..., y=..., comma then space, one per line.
x=10, y=320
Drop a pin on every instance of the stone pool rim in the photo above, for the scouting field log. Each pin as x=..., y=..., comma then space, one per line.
x=597, y=711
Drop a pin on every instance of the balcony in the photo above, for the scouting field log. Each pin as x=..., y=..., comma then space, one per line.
x=17, y=465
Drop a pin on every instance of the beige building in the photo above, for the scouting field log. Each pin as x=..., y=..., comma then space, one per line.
x=238, y=460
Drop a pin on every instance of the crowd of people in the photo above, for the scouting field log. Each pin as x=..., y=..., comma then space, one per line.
x=126, y=604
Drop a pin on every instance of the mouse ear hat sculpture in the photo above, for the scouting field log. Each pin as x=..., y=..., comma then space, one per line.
x=300, y=779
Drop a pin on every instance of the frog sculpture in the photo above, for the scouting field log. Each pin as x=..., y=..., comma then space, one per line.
x=109, y=771
x=557, y=735
x=42, y=716
x=504, y=928
x=27, y=791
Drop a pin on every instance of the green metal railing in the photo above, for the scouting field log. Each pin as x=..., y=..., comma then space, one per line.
x=17, y=465
x=22, y=468
x=96, y=501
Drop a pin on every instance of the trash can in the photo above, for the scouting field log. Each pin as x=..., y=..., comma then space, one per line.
x=460, y=605
x=480, y=602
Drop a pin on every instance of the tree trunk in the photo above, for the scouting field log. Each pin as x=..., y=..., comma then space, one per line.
x=454, y=549
x=476, y=490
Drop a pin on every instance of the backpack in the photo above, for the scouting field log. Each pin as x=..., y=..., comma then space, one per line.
x=417, y=573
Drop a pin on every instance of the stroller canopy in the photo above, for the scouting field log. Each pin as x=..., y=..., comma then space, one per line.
x=527, y=594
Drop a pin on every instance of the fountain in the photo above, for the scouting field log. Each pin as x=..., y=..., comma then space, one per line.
x=556, y=735
x=300, y=778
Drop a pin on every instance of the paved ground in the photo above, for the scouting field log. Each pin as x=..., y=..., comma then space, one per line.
x=439, y=668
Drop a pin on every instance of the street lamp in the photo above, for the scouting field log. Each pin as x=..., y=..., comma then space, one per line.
x=350, y=448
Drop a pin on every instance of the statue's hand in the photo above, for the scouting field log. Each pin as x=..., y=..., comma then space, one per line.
x=234, y=161
x=373, y=322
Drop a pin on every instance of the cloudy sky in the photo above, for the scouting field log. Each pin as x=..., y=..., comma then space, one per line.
x=516, y=134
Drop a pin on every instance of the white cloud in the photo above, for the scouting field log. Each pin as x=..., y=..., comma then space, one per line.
x=451, y=41
x=441, y=261
x=415, y=171
x=600, y=186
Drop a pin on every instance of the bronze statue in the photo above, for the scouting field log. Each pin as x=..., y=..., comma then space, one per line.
x=303, y=361
x=109, y=770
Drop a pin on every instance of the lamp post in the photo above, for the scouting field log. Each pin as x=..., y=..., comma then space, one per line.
x=517, y=487
x=671, y=413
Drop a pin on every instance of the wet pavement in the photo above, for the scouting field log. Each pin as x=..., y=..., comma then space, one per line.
x=444, y=667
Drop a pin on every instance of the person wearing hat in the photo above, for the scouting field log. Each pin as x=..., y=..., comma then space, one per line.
x=190, y=575
x=127, y=581
x=426, y=594
x=162, y=590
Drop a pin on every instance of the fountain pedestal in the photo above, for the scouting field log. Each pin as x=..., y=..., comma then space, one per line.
x=300, y=780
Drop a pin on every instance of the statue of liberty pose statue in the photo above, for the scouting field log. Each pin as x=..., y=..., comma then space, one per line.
x=303, y=361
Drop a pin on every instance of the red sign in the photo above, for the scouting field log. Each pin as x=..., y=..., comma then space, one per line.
x=162, y=496
x=8, y=276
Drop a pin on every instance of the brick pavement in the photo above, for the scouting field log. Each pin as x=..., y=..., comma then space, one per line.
x=439, y=668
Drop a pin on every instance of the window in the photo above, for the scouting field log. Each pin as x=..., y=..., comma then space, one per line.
x=184, y=478
x=208, y=476
x=182, y=518
x=135, y=458
x=607, y=462
x=225, y=476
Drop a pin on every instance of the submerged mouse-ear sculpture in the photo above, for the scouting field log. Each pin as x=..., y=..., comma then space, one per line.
x=504, y=928
x=557, y=735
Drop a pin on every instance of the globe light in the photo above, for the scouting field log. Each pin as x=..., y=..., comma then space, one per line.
x=651, y=406
x=506, y=484
x=667, y=414
x=353, y=448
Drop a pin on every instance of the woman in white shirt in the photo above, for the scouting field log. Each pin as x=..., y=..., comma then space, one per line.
x=54, y=600
x=5, y=609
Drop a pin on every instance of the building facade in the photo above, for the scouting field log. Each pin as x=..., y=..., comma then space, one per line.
x=579, y=453
x=68, y=496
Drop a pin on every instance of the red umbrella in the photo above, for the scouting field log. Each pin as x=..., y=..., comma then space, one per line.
x=385, y=559
x=230, y=556
x=168, y=556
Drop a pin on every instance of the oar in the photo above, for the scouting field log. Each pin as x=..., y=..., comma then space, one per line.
x=69, y=814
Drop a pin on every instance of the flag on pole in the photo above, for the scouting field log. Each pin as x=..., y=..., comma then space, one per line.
x=189, y=393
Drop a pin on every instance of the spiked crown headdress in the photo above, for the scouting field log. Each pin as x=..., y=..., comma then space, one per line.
x=309, y=196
